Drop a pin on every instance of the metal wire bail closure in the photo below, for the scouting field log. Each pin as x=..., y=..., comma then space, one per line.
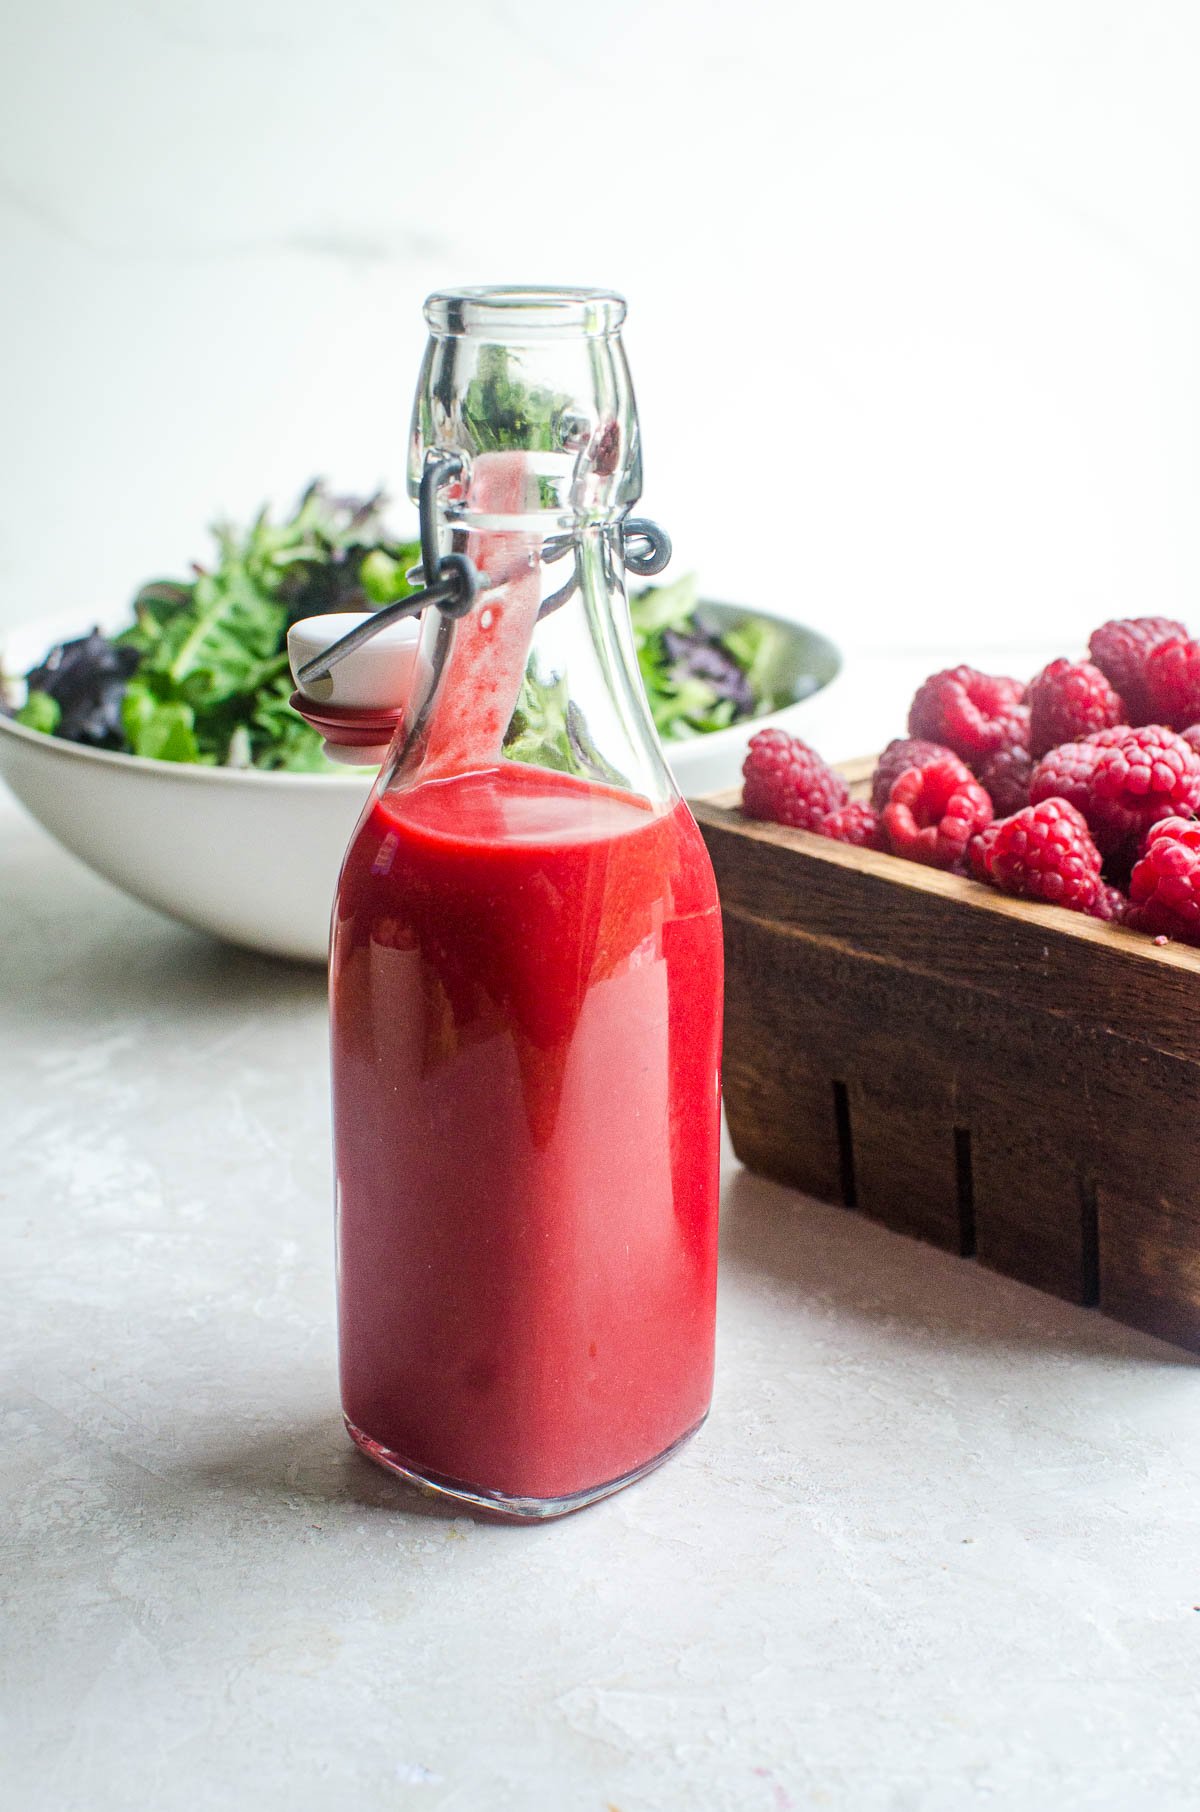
x=645, y=550
x=457, y=582
x=645, y=547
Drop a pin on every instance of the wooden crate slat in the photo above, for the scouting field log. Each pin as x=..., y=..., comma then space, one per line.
x=1033, y=1194
x=1150, y=1262
x=1148, y=1197
x=778, y=1078
x=904, y=1157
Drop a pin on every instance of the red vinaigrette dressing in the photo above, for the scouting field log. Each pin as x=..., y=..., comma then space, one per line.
x=524, y=973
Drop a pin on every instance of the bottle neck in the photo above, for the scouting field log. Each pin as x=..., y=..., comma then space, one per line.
x=543, y=670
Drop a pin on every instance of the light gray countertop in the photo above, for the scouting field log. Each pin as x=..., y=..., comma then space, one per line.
x=938, y=1546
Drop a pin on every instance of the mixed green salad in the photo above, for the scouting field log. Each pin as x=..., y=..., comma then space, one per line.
x=201, y=673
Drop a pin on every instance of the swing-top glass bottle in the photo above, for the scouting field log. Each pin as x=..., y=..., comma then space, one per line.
x=526, y=968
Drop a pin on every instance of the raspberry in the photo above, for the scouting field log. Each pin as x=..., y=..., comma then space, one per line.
x=1067, y=773
x=934, y=812
x=787, y=782
x=1142, y=776
x=972, y=713
x=1068, y=701
x=1005, y=778
x=1173, y=682
x=1109, y=904
x=1192, y=737
x=856, y=823
x=1044, y=852
x=977, y=852
x=1121, y=649
x=904, y=752
x=1164, y=893
x=1123, y=781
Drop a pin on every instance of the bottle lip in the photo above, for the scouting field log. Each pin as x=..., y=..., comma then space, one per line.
x=518, y=311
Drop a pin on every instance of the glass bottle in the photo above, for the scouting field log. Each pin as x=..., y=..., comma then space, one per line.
x=526, y=970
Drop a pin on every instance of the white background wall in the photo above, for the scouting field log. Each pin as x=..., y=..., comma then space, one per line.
x=937, y=263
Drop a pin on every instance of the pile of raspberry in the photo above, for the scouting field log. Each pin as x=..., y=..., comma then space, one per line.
x=1081, y=789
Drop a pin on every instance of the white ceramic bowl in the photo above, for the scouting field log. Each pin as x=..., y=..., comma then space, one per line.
x=253, y=857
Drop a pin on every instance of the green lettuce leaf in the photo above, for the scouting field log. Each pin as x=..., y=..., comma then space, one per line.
x=212, y=683
x=40, y=712
x=160, y=731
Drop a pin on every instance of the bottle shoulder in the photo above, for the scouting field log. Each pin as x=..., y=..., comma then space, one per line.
x=465, y=838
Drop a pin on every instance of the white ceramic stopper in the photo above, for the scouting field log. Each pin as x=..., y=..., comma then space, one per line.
x=377, y=677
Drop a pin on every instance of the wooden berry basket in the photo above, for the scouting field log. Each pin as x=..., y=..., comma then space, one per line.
x=1013, y=1082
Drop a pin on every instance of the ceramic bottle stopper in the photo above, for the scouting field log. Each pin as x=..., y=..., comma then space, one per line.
x=359, y=704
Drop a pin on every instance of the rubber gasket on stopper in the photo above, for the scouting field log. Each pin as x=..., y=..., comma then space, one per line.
x=347, y=727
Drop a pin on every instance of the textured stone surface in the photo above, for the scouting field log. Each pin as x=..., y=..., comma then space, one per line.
x=938, y=1546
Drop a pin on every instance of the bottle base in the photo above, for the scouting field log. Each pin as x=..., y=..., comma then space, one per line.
x=498, y=1504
